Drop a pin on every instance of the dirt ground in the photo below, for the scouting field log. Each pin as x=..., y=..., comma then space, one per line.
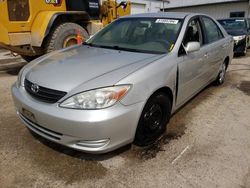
x=207, y=145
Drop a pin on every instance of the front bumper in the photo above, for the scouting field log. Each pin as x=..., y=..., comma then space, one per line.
x=92, y=131
x=240, y=46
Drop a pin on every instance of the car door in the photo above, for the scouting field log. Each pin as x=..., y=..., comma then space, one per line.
x=191, y=66
x=217, y=46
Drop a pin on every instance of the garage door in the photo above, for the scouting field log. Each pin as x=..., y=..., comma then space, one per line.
x=138, y=8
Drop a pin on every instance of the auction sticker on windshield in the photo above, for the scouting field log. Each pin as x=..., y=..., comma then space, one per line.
x=167, y=21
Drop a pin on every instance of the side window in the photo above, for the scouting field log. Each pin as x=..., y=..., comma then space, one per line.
x=212, y=31
x=193, y=32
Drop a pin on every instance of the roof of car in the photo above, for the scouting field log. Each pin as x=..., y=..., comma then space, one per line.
x=177, y=15
x=236, y=18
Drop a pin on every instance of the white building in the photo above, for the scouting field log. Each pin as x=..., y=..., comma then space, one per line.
x=143, y=6
x=215, y=8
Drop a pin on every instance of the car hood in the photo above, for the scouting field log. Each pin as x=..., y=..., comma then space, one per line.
x=71, y=69
x=237, y=32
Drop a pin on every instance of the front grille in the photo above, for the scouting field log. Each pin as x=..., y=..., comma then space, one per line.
x=18, y=10
x=43, y=94
x=41, y=130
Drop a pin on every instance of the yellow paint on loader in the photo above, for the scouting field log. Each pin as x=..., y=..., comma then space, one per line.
x=25, y=24
x=40, y=25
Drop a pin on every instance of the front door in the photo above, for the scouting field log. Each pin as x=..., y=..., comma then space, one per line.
x=191, y=66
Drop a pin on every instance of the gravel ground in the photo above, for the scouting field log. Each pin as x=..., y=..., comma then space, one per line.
x=207, y=145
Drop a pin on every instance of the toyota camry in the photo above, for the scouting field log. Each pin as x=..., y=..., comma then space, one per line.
x=123, y=84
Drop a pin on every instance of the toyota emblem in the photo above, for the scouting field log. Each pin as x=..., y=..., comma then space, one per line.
x=35, y=88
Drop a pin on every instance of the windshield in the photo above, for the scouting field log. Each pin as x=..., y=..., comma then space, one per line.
x=232, y=24
x=146, y=35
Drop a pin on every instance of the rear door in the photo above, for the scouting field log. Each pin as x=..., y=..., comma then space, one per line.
x=217, y=46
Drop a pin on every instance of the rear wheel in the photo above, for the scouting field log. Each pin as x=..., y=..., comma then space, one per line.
x=222, y=74
x=65, y=35
x=153, y=120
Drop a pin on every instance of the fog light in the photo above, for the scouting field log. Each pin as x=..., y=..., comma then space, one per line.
x=93, y=144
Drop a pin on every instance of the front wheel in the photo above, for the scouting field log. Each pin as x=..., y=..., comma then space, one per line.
x=153, y=120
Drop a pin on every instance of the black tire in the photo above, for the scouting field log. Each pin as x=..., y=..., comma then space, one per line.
x=153, y=120
x=222, y=74
x=56, y=40
x=244, y=53
x=29, y=58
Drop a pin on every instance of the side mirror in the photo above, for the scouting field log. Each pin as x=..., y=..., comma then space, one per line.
x=192, y=47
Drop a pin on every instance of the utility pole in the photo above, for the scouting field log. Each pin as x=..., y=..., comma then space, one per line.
x=165, y=1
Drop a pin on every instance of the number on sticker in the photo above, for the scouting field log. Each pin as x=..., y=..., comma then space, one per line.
x=167, y=21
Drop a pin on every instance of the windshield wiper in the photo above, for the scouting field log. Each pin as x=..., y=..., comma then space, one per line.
x=134, y=50
x=115, y=47
x=124, y=49
x=94, y=45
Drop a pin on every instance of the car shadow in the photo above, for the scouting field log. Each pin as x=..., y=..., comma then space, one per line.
x=14, y=71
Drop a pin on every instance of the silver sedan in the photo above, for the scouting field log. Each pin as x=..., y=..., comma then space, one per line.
x=123, y=84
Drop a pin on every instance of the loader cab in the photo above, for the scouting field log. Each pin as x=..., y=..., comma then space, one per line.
x=90, y=6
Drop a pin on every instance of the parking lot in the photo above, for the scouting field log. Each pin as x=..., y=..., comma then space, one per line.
x=207, y=145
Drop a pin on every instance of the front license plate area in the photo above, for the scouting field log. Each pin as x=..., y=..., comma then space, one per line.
x=29, y=115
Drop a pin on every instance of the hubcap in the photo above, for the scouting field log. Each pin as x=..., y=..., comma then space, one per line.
x=70, y=41
x=222, y=73
x=153, y=117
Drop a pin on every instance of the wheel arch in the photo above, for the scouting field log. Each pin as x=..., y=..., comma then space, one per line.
x=79, y=17
x=166, y=90
x=46, y=21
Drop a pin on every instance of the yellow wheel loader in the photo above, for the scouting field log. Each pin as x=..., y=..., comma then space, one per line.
x=34, y=27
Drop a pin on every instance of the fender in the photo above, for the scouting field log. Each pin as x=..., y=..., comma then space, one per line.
x=45, y=21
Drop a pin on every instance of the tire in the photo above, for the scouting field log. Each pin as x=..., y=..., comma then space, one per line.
x=29, y=58
x=153, y=120
x=222, y=74
x=62, y=33
x=244, y=53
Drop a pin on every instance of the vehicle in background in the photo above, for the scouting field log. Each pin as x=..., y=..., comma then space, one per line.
x=33, y=28
x=123, y=84
x=239, y=28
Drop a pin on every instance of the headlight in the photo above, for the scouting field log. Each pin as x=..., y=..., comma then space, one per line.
x=237, y=38
x=96, y=99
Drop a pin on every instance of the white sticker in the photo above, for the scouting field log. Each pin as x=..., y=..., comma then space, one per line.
x=239, y=20
x=167, y=21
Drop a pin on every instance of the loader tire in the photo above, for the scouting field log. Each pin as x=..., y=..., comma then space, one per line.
x=65, y=35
